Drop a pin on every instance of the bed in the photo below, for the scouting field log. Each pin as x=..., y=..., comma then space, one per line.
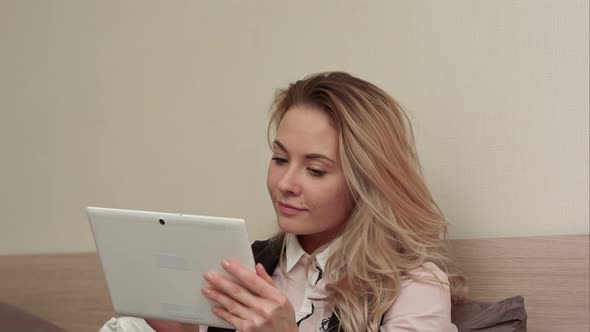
x=68, y=291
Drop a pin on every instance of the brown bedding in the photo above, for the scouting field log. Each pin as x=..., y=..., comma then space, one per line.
x=16, y=320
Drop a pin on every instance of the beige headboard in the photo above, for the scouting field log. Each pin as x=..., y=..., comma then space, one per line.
x=550, y=272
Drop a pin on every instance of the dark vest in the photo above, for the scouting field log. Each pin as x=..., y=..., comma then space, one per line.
x=268, y=254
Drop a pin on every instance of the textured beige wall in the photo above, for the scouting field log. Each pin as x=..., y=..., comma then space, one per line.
x=163, y=106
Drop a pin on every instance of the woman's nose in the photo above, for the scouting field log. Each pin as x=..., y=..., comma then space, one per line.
x=289, y=184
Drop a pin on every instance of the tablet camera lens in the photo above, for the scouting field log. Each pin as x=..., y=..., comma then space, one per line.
x=162, y=222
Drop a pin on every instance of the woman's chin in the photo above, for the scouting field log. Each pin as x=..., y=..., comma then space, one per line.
x=288, y=225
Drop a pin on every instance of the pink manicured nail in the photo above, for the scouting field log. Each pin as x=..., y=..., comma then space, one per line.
x=225, y=263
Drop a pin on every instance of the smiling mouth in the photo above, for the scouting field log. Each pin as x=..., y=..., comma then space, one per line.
x=290, y=206
x=289, y=210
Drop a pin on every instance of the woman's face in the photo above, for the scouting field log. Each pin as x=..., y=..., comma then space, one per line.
x=305, y=180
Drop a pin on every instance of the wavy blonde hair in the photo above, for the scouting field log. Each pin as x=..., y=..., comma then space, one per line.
x=394, y=214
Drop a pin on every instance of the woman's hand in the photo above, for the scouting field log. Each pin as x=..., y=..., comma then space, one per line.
x=258, y=306
x=170, y=326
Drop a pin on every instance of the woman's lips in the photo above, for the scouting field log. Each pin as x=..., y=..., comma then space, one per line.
x=289, y=210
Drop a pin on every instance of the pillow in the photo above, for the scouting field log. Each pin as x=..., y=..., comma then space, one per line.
x=507, y=315
x=14, y=319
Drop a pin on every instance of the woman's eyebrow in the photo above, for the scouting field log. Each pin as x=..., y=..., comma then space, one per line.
x=307, y=156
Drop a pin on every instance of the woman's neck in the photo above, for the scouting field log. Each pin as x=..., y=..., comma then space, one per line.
x=311, y=242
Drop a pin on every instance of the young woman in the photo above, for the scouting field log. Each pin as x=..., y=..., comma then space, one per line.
x=360, y=244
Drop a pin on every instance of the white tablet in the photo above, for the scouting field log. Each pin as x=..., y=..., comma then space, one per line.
x=154, y=262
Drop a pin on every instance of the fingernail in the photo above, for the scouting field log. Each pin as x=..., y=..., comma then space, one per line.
x=225, y=262
x=205, y=291
x=208, y=275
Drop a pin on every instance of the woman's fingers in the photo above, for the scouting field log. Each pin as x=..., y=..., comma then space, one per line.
x=252, y=303
x=227, y=316
x=251, y=280
x=231, y=305
x=236, y=291
x=261, y=272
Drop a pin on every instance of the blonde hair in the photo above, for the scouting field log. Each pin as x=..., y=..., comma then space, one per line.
x=394, y=214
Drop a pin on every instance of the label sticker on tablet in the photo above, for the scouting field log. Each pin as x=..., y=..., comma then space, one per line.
x=171, y=262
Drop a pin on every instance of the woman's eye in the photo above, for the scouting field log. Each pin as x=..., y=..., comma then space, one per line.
x=279, y=160
x=316, y=172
